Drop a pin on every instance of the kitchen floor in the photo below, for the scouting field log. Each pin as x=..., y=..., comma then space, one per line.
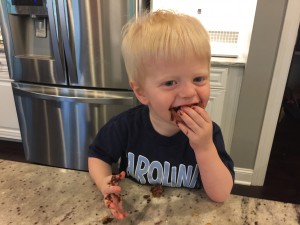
x=282, y=181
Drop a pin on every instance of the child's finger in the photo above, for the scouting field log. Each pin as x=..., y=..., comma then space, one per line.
x=114, y=203
x=204, y=114
x=115, y=179
x=118, y=214
x=111, y=190
x=122, y=175
x=184, y=128
x=121, y=213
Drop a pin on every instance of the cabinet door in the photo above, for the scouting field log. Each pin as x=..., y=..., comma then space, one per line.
x=218, y=80
x=215, y=105
x=224, y=98
x=9, y=126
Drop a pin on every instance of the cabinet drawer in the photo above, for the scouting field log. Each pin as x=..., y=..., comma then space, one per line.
x=218, y=77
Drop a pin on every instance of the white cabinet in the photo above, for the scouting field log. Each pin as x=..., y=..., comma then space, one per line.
x=218, y=79
x=225, y=82
x=9, y=126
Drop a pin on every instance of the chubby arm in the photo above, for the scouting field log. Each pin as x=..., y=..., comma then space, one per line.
x=98, y=171
x=101, y=174
x=216, y=178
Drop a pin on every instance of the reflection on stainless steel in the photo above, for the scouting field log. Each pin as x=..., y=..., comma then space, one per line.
x=104, y=97
x=32, y=69
x=61, y=123
x=70, y=79
x=94, y=41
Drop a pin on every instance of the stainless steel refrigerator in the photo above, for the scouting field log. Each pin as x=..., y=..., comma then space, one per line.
x=69, y=78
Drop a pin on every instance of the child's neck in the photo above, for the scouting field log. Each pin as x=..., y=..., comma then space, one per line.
x=167, y=129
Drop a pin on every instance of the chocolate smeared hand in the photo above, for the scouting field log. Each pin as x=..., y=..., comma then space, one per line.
x=176, y=117
x=109, y=199
x=115, y=179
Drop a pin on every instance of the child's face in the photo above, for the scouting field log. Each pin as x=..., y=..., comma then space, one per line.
x=169, y=84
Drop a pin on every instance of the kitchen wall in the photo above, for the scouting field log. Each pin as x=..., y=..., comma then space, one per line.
x=260, y=63
x=257, y=80
x=220, y=17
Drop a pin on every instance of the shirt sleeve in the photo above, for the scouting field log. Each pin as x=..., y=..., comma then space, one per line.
x=108, y=143
x=219, y=143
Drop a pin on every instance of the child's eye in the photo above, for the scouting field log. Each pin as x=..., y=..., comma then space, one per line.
x=198, y=79
x=170, y=83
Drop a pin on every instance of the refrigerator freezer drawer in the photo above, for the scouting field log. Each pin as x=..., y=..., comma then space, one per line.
x=58, y=124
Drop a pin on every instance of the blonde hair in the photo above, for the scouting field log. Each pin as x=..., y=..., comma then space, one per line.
x=162, y=35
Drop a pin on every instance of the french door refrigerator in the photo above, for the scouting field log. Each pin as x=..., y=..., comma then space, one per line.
x=68, y=74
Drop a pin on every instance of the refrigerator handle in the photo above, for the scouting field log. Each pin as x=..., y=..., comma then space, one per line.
x=62, y=5
x=8, y=43
x=103, y=100
x=140, y=6
x=56, y=38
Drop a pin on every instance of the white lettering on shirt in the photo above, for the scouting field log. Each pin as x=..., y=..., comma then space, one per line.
x=156, y=173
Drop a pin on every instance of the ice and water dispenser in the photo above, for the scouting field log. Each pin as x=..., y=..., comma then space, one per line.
x=29, y=36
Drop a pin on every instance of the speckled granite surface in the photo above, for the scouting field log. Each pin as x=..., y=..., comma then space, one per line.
x=34, y=194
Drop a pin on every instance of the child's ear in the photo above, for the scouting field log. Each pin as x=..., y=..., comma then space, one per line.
x=139, y=93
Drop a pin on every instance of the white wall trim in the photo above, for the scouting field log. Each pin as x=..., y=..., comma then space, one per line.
x=13, y=134
x=281, y=70
x=243, y=176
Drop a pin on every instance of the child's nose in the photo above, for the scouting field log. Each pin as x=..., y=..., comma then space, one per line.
x=187, y=90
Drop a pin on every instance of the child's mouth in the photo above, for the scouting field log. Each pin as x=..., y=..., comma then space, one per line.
x=174, y=110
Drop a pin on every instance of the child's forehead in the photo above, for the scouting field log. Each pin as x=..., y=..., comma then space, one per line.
x=174, y=60
x=170, y=67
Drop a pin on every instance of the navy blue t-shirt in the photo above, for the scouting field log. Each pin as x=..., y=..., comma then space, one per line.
x=147, y=156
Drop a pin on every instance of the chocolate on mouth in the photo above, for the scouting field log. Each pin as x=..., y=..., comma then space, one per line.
x=179, y=107
x=174, y=110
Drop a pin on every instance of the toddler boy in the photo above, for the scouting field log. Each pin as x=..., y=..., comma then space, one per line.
x=169, y=139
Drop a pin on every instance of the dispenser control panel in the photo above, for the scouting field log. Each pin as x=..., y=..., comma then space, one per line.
x=28, y=2
x=27, y=7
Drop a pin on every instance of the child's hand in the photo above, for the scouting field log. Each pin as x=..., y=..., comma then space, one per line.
x=198, y=127
x=112, y=195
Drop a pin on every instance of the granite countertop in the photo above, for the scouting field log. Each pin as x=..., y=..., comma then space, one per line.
x=34, y=194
